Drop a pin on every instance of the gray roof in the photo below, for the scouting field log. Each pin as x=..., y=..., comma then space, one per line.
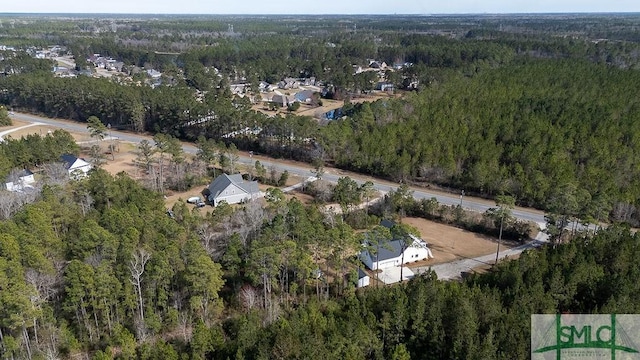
x=304, y=95
x=24, y=173
x=361, y=274
x=387, y=223
x=223, y=181
x=68, y=160
x=388, y=250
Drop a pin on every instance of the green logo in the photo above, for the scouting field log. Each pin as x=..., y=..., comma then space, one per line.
x=581, y=336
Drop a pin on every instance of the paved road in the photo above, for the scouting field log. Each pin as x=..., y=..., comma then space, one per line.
x=304, y=171
x=6, y=132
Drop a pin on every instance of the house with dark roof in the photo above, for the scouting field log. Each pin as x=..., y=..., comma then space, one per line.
x=19, y=180
x=265, y=86
x=389, y=253
x=233, y=189
x=283, y=100
x=289, y=83
x=77, y=167
x=363, y=278
x=304, y=96
x=377, y=64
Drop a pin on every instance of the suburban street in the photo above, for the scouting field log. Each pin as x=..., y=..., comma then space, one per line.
x=305, y=170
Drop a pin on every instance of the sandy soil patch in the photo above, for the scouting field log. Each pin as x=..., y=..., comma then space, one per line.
x=303, y=198
x=174, y=197
x=123, y=160
x=448, y=243
x=327, y=105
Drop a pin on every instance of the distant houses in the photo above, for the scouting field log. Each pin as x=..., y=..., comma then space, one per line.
x=304, y=96
x=384, y=86
x=283, y=100
x=23, y=179
x=289, y=83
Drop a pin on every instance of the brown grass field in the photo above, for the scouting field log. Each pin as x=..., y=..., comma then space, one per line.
x=448, y=243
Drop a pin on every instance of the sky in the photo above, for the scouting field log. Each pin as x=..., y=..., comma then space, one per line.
x=317, y=6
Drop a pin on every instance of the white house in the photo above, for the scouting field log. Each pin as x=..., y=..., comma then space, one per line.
x=363, y=278
x=383, y=86
x=18, y=181
x=77, y=167
x=233, y=189
x=390, y=253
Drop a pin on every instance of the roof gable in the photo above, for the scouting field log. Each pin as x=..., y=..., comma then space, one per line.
x=68, y=160
x=389, y=250
x=223, y=181
x=387, y=223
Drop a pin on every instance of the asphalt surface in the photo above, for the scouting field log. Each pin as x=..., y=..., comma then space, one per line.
x=480, y=205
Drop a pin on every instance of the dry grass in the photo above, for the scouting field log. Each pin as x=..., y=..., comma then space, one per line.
x=15, y=124
x=42, y=130
x=448, y=243
x=124, y=160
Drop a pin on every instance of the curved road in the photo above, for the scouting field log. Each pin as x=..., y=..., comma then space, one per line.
x=304, y=170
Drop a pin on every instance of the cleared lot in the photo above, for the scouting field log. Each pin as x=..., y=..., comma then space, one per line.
x=448, y=243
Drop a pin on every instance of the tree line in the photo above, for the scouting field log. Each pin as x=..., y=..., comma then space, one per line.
x=98, y=267
x=528, y=130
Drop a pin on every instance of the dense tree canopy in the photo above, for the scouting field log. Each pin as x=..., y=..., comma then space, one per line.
x=125, y=275
x=525, y=130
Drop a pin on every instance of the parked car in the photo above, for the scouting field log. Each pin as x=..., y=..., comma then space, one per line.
x=200, y=204
x=194, y=200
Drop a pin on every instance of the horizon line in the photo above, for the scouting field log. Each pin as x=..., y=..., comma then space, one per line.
x=334, y=14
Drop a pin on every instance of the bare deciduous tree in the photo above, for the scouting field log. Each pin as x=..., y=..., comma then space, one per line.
x=209, y=238
x=9, y=204
x=55, y=174
x=136, y=267
x=249, y=298
x=12, y=202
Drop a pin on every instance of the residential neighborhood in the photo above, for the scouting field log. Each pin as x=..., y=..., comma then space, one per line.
x=183, y=183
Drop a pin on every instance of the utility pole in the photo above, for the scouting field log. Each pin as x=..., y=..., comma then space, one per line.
x=111, y=146
x=499, y=238
x=505, y=203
